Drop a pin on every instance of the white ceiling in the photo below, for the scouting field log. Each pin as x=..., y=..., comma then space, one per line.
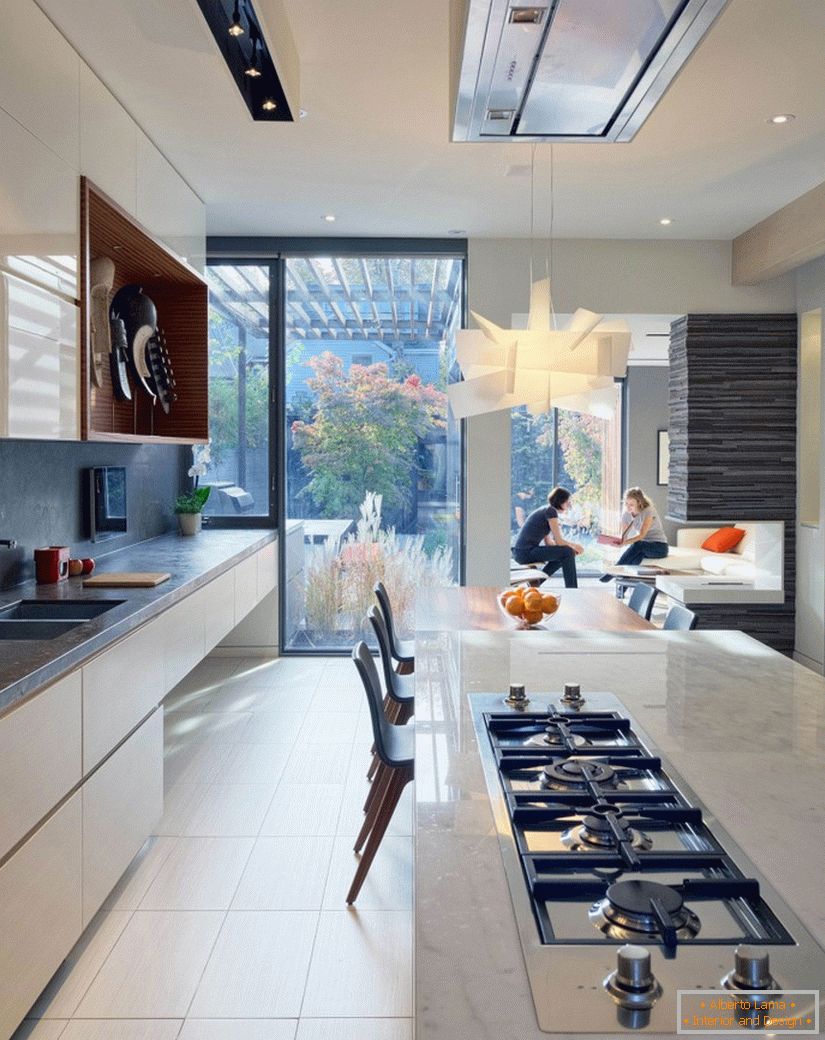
x=375, y=149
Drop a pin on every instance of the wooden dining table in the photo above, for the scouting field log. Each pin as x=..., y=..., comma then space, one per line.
x=462, y=608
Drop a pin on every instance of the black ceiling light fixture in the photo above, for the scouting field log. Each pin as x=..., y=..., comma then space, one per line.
x=231, y=23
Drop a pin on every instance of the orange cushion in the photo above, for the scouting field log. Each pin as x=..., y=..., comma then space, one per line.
x=723, y=540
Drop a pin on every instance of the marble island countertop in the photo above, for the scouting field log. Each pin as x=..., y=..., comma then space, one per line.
x=743, y=725
x=26, y=665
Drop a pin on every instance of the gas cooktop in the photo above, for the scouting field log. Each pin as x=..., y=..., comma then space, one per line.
x=636, y=911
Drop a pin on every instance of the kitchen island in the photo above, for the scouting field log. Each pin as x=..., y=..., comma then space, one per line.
x=742, y=724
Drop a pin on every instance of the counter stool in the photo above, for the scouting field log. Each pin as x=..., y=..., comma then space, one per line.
x=402, y=650
x=394, y=746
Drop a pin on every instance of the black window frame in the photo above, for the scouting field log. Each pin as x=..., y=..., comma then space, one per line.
x=274, y=251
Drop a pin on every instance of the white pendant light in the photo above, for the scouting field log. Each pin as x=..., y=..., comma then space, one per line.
x=540, y=366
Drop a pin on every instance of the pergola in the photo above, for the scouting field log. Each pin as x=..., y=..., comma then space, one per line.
x=393, y=300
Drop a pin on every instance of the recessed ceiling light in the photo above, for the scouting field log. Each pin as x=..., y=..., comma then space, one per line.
x=665, y=221
x=329, y=218
x=456, y=231
x=783, y=117
x=269, y=105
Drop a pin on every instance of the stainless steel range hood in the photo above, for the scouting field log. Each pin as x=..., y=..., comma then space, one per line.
x=568, y=70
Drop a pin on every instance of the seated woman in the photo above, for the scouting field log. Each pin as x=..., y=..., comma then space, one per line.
x=642, y=531
x=540, y=539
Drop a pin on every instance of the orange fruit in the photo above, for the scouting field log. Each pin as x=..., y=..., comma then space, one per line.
x=508, y=594
x=514, y=606
x=532, y=596
x=549, y=604
x=532, y=617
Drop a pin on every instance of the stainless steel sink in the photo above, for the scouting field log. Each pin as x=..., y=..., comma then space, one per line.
x=35, y=629
x=57, y=610
x=41, y=619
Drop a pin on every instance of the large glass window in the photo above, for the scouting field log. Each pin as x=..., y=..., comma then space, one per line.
x=239, y=391
x=579, y=452
x=372, y=481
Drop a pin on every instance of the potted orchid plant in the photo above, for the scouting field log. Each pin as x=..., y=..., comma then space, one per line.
x=189, y=506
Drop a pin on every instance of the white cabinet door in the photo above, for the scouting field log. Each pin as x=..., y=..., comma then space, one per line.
x=267, y=569
x=122, y=803
x=167, y=206
x=108, y=141
x=246, y=587
x=39, y=206
x=40, y=911
x=183, y=645
x=39, y=78
x=120, y=687
x=40, y=757
x=38, y=362
x=219, y=609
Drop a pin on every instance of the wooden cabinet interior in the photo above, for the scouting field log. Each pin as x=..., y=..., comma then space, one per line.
x=181, y=298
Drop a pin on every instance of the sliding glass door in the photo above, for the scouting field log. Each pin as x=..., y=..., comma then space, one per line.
x=372, y=476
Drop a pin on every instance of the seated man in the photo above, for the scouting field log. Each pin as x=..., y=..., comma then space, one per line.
x=541, y=541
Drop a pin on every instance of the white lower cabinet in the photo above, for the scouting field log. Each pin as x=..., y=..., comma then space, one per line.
x=219, y=609
x=267, y=569
x=182, y=638
x=122, y=803
x=103, y=723
x=120, y=687
x=246, y=587
x=40, y=758
x=40, y=911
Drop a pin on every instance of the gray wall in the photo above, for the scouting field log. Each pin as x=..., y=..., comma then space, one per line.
x=646, y=412
x=42, y=496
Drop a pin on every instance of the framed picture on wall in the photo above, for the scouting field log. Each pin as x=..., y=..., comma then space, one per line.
x=663, y=459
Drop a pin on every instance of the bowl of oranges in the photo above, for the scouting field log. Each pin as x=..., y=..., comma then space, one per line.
x=528, y=607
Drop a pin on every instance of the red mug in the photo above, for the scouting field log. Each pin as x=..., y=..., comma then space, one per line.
x=51, y=564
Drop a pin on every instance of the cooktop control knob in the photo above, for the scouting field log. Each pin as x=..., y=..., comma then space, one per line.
x=633, y=985
x=517, y=697
x=751, y=970
x=572, y=695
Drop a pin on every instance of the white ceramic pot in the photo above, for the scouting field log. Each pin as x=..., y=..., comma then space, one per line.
x=190, y=523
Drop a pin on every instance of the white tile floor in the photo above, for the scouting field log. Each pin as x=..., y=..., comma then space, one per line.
x=231, y=923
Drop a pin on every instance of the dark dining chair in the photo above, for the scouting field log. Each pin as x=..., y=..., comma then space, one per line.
x=642, y=599
x=679, y=619
x=394, y=746
x=402, y=650
x=399, y=699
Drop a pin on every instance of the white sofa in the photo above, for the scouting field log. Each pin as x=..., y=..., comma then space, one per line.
x=752, y=572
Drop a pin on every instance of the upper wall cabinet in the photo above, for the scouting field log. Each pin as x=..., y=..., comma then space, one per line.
x=168, y=207
x=39, y=73
x=38, y=362
x=59, y=122
x=108, y=141
x=38, y=211
x=154, y=386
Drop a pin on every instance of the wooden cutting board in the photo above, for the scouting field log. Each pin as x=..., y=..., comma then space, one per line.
x=126, y=580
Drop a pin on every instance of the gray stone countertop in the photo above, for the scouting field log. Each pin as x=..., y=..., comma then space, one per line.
x=743, y=725
x=27, y=665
